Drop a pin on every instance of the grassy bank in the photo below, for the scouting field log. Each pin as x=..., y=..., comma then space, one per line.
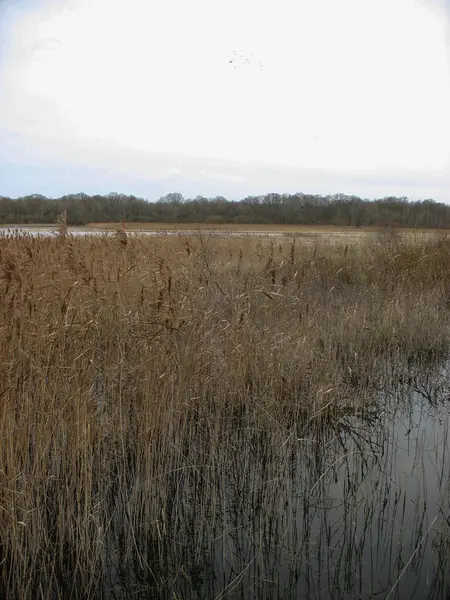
x=124, y=362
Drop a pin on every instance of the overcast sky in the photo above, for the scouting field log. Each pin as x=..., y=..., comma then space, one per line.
x=225, y=97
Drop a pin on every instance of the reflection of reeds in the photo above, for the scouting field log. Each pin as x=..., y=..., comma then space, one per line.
x=201, y=415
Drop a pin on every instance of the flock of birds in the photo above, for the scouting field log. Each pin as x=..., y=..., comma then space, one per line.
x=235, y=59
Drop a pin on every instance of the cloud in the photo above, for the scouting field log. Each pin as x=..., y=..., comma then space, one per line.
x=101, y=168
x=317, y=91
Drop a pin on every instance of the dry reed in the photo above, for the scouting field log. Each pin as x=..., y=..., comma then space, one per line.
x=124, y=364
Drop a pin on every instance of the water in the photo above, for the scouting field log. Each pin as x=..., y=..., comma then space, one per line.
x=47, y=232
x=41, y=232
x=359, y=509
x=354, y=508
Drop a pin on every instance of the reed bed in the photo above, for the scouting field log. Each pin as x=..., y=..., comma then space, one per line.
x=135, y=371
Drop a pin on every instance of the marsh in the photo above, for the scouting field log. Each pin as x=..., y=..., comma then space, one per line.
x=197, y=416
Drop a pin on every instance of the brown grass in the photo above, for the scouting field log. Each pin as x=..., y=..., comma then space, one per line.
x=121, y=364
x=241, y=227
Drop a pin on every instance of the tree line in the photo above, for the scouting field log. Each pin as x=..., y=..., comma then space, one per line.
x=299, y=208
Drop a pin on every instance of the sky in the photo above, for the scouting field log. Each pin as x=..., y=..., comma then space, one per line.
x=225, y=97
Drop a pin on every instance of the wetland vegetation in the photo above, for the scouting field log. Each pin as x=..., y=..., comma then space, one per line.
x=221, y=417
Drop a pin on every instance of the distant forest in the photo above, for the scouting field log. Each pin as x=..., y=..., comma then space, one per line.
x=304, y=209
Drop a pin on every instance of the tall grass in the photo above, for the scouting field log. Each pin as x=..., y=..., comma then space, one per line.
x=133, y=370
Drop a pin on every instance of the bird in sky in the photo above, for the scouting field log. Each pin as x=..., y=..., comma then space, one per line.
x=237, y=59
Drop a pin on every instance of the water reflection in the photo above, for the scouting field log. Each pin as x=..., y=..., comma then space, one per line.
x=41, y=232
x=46, y=232
x=245, y=503
x=357, y=508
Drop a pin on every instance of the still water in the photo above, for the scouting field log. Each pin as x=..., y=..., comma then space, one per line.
x=357, y=509
x=42, y=232
x=47, y=232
